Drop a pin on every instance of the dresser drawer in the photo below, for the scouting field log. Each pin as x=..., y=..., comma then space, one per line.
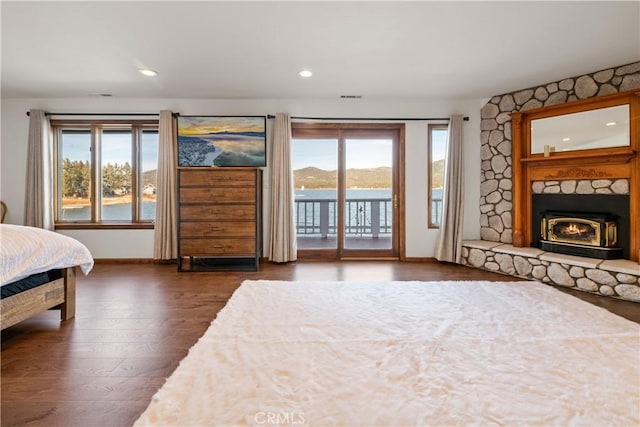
x=217, y=247
x=222, y=178
x=218, y=229
x=217, y=195
x=217, y=212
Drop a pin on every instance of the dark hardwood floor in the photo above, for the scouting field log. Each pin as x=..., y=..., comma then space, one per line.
x=135, y=322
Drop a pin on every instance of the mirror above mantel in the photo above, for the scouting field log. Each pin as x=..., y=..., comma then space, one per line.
x=592, y=139
x=582, y=130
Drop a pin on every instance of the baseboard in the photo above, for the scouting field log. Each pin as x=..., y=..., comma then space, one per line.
x=420, y=259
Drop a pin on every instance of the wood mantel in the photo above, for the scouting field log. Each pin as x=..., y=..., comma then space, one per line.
x=604, y=163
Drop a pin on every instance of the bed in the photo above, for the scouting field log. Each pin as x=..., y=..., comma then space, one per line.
x=403, y=354
x=38, y=272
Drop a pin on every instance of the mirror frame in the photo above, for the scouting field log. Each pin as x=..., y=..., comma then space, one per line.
x=608, y=163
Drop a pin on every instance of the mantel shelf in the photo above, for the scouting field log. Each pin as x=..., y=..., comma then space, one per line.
x=617, y=156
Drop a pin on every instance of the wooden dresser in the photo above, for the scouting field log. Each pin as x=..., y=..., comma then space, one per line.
x=219, y=219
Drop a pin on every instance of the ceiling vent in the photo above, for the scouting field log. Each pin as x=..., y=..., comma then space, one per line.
x=351, y=96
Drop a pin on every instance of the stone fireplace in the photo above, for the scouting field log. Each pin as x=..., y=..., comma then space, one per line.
x=496, y=179
x=615, y=176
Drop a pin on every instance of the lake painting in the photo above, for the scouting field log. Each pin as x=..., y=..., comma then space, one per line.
x=222, y=141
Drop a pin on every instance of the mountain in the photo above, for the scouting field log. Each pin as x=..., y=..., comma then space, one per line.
x=313, y=178
x=226, y=132
x=149, y=177
x=438, y=173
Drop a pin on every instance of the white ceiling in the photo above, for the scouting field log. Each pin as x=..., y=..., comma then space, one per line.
x=255, y=49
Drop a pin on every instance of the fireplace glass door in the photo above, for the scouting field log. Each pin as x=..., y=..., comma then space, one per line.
x=582, y=234
x=573, y=230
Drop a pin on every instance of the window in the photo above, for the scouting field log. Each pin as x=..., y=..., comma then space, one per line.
x=105, y=173
x=437, y=149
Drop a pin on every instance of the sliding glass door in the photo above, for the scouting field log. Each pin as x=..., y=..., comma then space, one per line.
x=346, y=180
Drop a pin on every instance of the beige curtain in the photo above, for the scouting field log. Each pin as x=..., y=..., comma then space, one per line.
x=449, y=243
x=165, y=238
x=38, y=207
x=282, y=232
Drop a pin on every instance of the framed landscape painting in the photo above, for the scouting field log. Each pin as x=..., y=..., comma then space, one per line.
x=222, y=141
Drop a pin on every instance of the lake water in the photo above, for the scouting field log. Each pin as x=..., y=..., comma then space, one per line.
x=123, y=211
x=117, y=212
x=375, y=193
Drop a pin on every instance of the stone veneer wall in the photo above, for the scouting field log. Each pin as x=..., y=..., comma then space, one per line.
x=583, y=186
x=495, y=152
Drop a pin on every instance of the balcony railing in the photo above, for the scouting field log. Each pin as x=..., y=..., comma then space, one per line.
x=363, y=217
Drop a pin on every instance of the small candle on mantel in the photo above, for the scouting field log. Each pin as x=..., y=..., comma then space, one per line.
x=547, y=151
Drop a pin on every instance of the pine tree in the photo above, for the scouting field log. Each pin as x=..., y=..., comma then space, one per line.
x=76, y=176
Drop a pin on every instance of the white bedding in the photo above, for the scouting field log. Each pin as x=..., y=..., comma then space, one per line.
x=406, y=353
x=27, y=250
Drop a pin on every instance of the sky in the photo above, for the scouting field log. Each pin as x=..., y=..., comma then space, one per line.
x=360, y=154
x=323, y=153
x=115, y=148
x=438, y=143
x=202, y=125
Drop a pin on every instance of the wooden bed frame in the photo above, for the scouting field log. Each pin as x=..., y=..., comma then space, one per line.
x=60, y=292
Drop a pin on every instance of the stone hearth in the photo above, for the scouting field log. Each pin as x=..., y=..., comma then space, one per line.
x=613, y=278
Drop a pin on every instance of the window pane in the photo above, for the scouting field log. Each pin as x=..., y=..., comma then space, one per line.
x=315, y=179
x=438, y=146
x=148, y=169
x=75, y=166
x=369, y=183
x=116, y=175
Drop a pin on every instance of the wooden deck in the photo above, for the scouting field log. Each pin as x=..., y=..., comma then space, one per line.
x=309, y=242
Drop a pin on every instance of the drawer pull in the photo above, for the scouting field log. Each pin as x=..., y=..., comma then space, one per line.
x=217, y=246
x=216, y=229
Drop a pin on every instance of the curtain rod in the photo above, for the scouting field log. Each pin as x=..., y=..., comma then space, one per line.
x=270, y=116
x=97, y=114
x=405, y=119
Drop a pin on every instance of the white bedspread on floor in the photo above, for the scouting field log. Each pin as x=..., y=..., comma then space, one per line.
x=406, y=353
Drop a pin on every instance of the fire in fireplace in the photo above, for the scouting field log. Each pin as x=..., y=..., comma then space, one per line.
x=582, y=234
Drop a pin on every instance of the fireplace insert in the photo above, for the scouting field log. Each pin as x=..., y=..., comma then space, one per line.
x=593, y=235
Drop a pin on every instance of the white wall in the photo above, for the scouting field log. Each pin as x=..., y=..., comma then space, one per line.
x=420, y=240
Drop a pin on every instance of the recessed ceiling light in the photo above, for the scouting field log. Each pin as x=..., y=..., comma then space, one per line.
x=147, y=72
x=566, y=139
x=305, y=73
x=611, y=123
